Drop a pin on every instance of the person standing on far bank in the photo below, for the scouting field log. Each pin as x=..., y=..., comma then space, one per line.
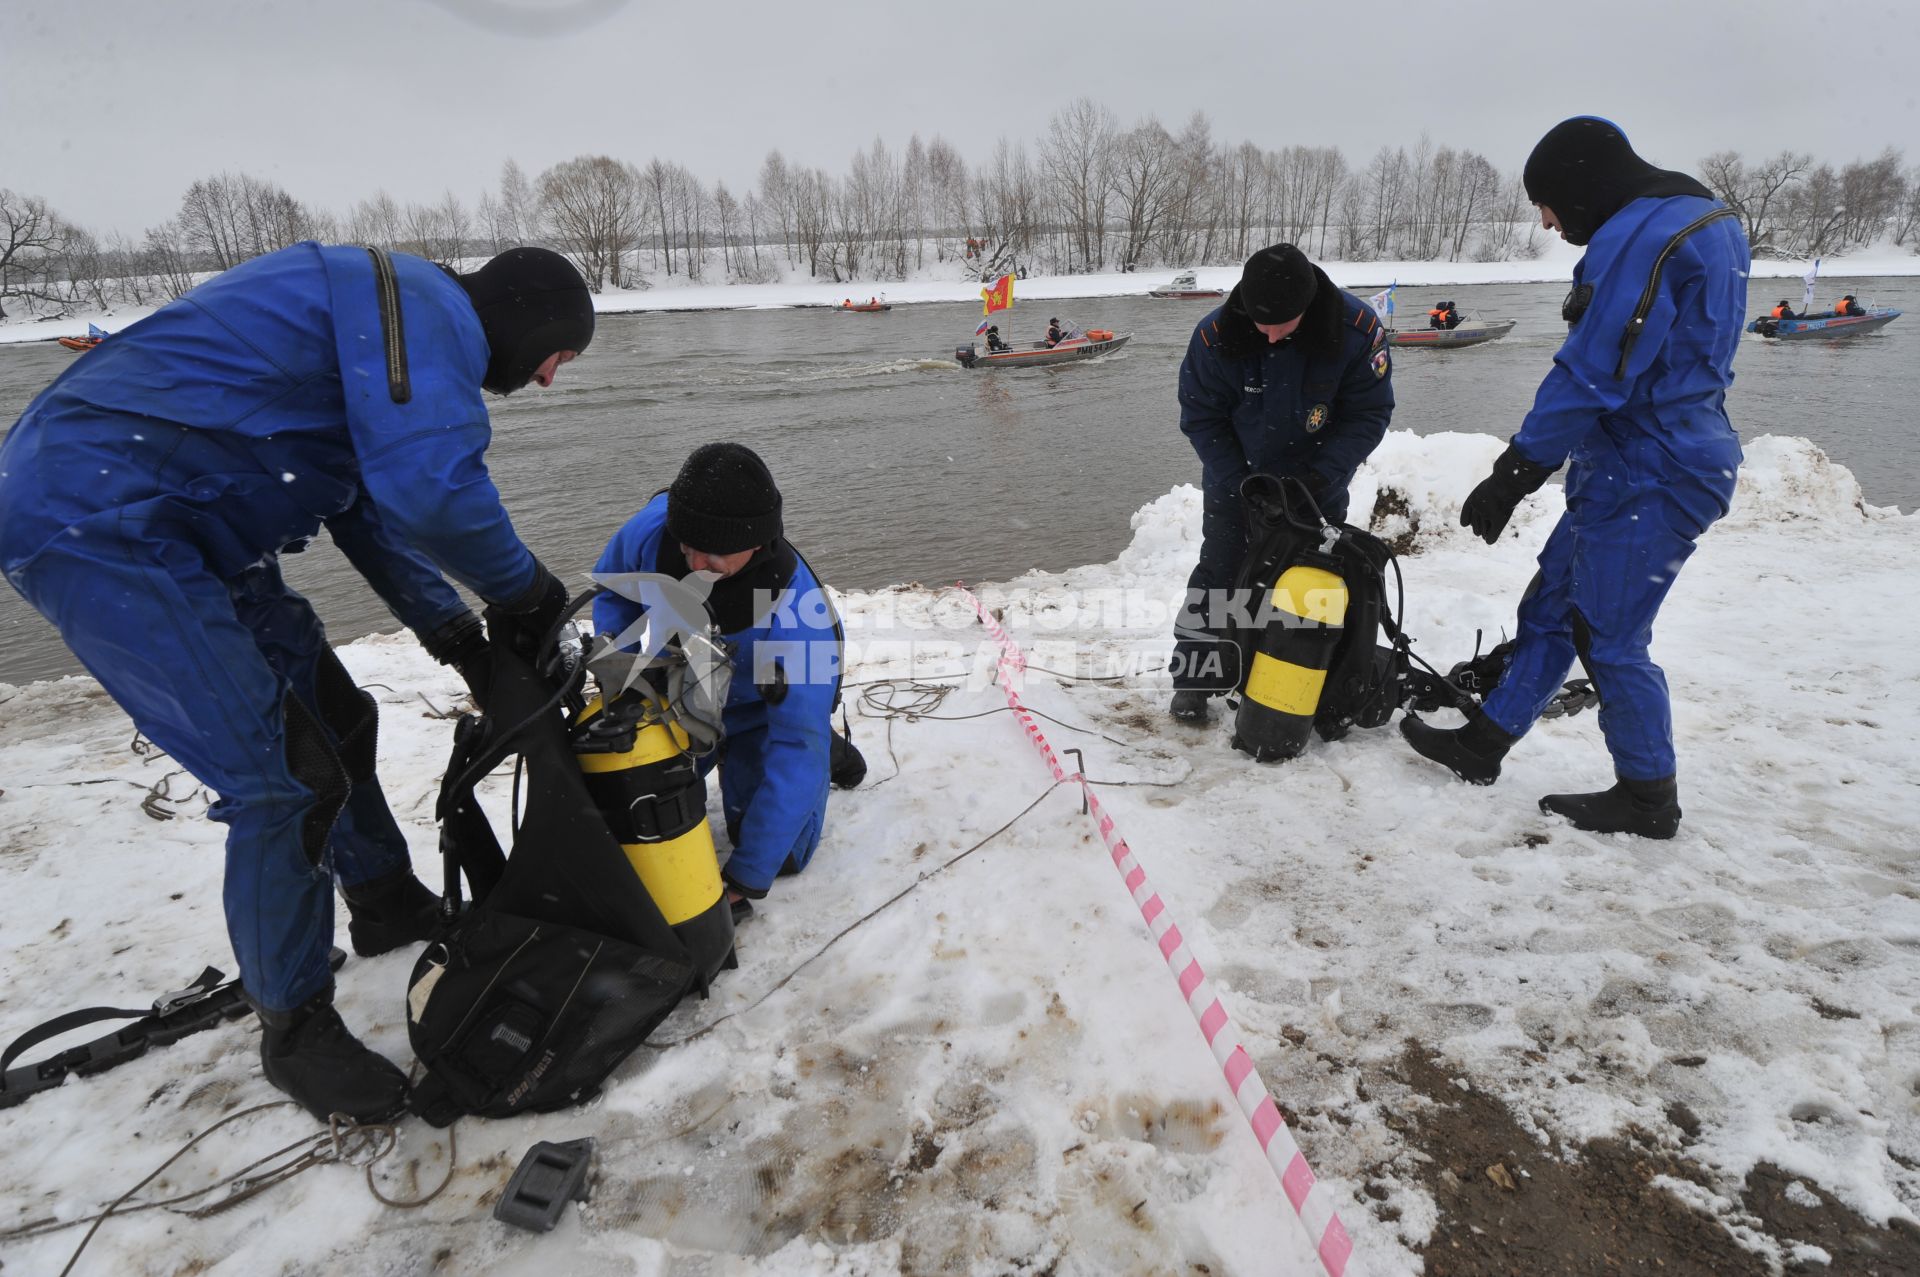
x=1290, y=377
x=1635, y=407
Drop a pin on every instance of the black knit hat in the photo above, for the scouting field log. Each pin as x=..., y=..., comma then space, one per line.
x=1585, y=170
x=532, y=303
x=1276, y=285
x=723, y=501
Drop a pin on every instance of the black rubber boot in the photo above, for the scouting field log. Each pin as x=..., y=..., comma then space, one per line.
x=386, y=913
x=1649, y=808
x=310, y=1054
x=1472, y=753
x=1189, y=705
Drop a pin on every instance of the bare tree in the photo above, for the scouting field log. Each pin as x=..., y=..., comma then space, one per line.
x=777, y=198
x=813, y=198
x=1006, y=212
x=519, y=207
x=727, y=210
x=1476, y=189
x=1077, y=158
x=1871, y=191
x=914, y=188
x=591, y=206
x=30, y=234
x=948, y=194
x=1907, y=219
x=376, y=222
x=229, y=218
x=168, y=258
x=1144, y=169
x=1815, y=213
x=1756, y=193
x=1384, y=184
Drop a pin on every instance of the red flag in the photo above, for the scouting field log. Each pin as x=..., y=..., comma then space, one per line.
x=998, y=297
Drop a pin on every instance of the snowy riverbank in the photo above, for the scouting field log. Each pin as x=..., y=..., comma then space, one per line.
x=941, y=284
x=995, y=1073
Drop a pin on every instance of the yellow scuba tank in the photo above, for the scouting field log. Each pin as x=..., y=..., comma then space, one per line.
x=651, y=794
x=1289, y=670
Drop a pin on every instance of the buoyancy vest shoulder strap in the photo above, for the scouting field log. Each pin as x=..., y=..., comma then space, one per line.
x=393, y=336
x=1649, y=294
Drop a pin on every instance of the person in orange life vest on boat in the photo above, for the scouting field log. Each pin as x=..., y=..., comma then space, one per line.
x=1055, y=333
x=1784, y=311
x=1847, y=306
x=721, y=518
x=1443, y=316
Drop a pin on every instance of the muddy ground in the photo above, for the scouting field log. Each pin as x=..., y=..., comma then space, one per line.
x=1511, y=1205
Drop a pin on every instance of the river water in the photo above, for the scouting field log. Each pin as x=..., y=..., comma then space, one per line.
x=898, y=465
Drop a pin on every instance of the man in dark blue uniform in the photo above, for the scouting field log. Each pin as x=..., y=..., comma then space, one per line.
x=1635, y=407
x=145, y=498
x=1291, y=377
x=722, y=518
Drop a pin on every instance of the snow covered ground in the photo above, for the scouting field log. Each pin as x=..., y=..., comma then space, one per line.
x=1555, y=264
x=994, y=1073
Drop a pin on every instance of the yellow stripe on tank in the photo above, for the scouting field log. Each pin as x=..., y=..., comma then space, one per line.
x=1283, y=686
x=1313, y=594
x=681, y=874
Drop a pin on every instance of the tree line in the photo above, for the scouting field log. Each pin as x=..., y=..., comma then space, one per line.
x=1089, y=194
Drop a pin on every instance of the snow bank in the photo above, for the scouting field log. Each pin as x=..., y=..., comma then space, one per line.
x=1785, y=479
x=992, y=1072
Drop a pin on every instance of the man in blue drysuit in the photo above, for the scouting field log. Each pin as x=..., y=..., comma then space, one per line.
x=1636, y=407
x=145, y=497
x=1290, y=377
x=721, y=518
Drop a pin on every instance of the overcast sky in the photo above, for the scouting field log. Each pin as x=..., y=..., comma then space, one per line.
x=108, y=108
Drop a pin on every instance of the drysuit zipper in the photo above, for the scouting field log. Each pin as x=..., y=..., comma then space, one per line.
x=1638, y=323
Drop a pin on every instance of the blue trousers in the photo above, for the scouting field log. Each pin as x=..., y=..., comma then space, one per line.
x=1611, y=573
x=205, y=668
x=742, y=772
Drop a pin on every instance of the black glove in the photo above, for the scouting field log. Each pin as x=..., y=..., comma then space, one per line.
x=462, y=643
x=522, y=621
x=1489, y=506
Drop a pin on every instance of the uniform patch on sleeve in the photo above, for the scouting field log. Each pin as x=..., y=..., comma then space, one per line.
x=1379, y=337
x=1317, y=417
x=1381, y=364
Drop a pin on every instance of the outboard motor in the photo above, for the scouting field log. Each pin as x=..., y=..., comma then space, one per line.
x=964, y=355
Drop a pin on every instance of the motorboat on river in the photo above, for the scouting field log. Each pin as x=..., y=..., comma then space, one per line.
x=1470, y=332
x=1826, y=324
x=95, y=335
x=1088, y=345
x=1185, y=286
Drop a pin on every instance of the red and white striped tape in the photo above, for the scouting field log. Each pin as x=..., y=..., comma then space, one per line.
x=1304, y=1192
